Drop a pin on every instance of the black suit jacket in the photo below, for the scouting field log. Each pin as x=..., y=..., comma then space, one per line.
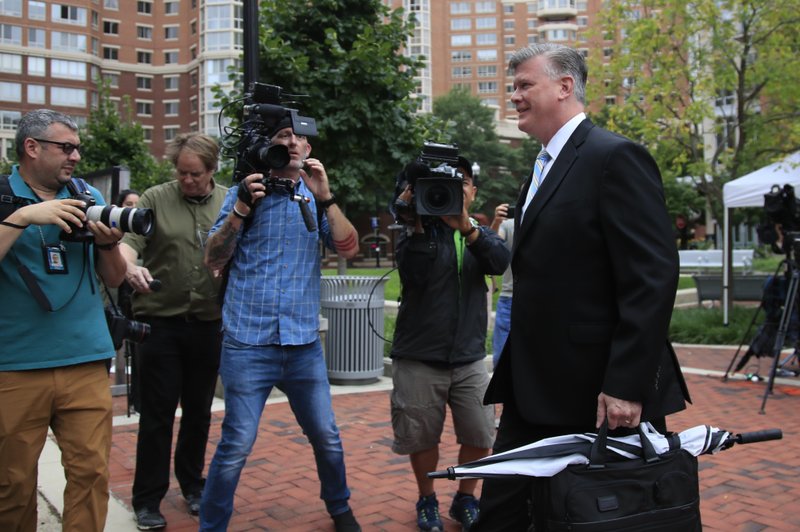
x=595, y=273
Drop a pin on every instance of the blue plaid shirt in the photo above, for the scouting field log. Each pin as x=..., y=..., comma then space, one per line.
x=273, y=293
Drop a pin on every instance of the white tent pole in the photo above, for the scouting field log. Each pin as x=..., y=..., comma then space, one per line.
x=725, y=263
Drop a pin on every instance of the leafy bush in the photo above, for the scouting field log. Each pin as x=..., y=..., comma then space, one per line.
x=702, y=325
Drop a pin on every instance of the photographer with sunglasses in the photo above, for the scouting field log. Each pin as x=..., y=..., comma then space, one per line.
x=55, y=344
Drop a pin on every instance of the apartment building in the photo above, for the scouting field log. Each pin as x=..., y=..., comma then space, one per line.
x=162, y=55
x=165, y=55
x=467, y=43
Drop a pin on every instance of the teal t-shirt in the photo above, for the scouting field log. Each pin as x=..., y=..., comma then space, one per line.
x=75, y=331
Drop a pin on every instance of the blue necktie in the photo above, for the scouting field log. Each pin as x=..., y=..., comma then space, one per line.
x=538, y=167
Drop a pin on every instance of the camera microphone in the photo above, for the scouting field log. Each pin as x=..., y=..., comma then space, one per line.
x=154, y=285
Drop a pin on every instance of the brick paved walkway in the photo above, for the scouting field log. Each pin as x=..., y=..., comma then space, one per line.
x=747, y=488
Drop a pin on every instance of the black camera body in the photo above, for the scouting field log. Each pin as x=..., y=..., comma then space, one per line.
x=436, y=182
x=781, y=208
x=122, y=328
x=262, y=113
x=126, y=219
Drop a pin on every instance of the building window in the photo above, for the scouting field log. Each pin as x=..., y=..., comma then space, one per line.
x=460, y=40
x=171, y=108
x=145, y=8
x=487, y=55
x=484, y=7
x=144, y=57
x=611, y=100
x=193, y=27
x=11, y=8
x=147, y=134
x=36, y=94
x=490, y=102
x=60, y=68
x=144, y=32
x=170, y=32
x=460, y=24
x=37, y=10
x=193, y=78
x=509, y=41
x=111, y=52
x=68, y=14
x=171, y=8
x=36, y=66
x=111, y=27
x=144, y=108
x=144, y=83
x=73, y=42
x=10, y=34
x=11, y=63
x=487, y=87
x=170, y=57
x=111, y=4
x=489, y=71
x=36, y=38
x=171, y=83
x=485, y=39
x=10, y=92
x=193, y=104
x=68, y=97
x=170, y=133
x=486, y=23
x=459, y=8
x=112, y=78
x=461, y=72
x=460, y=57
x=95, y=19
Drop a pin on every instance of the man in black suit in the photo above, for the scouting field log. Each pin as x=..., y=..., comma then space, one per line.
x=595, y=274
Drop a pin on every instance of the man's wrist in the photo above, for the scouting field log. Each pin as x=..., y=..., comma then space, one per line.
x=107, y=247
x=468, y=232
x=324, y=204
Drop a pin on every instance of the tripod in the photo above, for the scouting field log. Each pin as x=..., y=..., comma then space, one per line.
x=789, y=307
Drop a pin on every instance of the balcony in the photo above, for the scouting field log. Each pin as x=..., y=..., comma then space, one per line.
x=556, y=9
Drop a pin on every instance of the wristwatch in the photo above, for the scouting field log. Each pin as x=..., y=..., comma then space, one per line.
x=327, y=203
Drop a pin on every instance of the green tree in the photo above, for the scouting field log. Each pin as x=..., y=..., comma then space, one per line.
x=470, y=124
x=358, y=84
x=710, y=86
x=110, y=139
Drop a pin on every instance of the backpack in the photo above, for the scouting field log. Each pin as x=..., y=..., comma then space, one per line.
x=9, y=202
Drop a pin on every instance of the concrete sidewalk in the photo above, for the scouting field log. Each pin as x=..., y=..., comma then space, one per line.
x=746, y=488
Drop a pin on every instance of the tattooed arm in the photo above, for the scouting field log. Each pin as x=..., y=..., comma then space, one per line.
x=222, y=244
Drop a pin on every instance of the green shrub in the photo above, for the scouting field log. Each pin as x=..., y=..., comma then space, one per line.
x=702, y=325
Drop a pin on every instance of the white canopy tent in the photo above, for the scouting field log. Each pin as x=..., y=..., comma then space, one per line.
x=748, y=191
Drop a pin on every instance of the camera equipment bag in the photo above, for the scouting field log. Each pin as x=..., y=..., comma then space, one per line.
x=613, y=493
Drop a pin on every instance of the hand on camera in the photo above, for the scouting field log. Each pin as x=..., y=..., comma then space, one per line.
x=251, y=190
x=54, y=212
x=104, y=235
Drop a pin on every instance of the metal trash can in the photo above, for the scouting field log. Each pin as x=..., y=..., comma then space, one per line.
x=353, y=352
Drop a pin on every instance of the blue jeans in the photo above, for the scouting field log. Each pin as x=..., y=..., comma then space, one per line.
x=502, y=324
x=248, y=375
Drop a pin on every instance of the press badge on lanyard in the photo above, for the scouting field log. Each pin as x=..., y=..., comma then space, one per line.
x=55, y=258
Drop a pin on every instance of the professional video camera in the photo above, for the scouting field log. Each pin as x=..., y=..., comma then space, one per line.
x=122, y=328
x=436, y=182
x=781, y=208
x=250, y=145
x=126, y=219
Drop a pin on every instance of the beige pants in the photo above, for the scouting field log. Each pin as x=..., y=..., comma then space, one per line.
x=75, y=401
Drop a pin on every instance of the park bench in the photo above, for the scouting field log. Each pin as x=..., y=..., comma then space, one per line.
x=745, y=287
x=706, y=259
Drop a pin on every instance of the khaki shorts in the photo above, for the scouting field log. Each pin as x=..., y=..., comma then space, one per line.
x=421, y=392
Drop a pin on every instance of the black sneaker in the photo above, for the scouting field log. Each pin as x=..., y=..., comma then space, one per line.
x=464, y=510
x=346, y=522
x=193, y=502
x=428, y=514
x=147, y=519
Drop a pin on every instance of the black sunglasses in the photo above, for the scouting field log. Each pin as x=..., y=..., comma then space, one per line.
x=66, y=147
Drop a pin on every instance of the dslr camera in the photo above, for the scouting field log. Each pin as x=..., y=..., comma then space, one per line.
x=250, y=145
x=126, y=219
x=781, y=208
x=436, y=182
x=122, y=328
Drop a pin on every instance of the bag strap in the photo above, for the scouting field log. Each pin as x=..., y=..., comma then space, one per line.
x=9, y=202
x=599, y=449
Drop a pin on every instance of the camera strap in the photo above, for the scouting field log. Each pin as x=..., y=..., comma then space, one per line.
x=9, y=202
